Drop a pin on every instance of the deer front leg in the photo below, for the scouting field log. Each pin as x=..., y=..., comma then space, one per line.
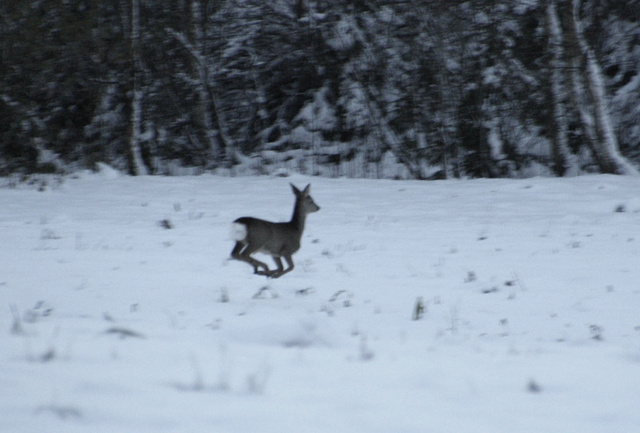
x=281, y=271
x=290, y=265
x=277, y=272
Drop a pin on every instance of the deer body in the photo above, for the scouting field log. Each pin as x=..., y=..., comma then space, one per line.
x=279, y=240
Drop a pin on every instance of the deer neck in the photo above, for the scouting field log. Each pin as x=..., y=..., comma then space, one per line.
x=297, y=220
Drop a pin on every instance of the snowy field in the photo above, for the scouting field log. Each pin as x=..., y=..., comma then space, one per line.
x=122, y=313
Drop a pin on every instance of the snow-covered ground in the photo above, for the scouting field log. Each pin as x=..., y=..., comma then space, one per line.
x=112, y=322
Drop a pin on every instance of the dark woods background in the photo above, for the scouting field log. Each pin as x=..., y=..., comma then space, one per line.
x=420, y=89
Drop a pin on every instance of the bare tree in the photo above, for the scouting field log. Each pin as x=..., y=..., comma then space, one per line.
x=215, y=131
x=138, y=166
x=590, y=94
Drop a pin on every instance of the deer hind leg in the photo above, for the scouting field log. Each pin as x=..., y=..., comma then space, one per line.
x=243, y=253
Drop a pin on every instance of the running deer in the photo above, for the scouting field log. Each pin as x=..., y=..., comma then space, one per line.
x=276, y=239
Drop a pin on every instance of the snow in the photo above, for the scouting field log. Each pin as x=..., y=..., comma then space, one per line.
x=113, y=323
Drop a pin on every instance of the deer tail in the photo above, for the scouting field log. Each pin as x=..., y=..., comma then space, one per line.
x=238, y=231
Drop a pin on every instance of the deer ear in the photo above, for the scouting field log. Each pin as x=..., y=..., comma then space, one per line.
x=296, y=191
x=307, y=190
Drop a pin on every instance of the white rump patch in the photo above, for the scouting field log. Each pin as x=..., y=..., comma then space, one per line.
x=238, y=232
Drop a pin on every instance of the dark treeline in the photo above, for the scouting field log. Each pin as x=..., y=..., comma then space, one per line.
x=420, y=89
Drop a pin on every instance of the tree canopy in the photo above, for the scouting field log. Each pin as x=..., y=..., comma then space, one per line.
x=423, y=89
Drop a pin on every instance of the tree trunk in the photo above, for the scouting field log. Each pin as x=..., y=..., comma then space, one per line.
x=138, y=166
x=558, y=90
x=207, y=100
x=610, y=158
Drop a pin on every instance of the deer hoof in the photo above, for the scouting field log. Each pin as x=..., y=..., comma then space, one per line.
x=270, y=274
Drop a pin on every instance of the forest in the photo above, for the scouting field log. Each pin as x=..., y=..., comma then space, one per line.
x=424, y=89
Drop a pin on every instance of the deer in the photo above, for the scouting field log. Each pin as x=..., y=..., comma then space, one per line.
x=276, y=239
